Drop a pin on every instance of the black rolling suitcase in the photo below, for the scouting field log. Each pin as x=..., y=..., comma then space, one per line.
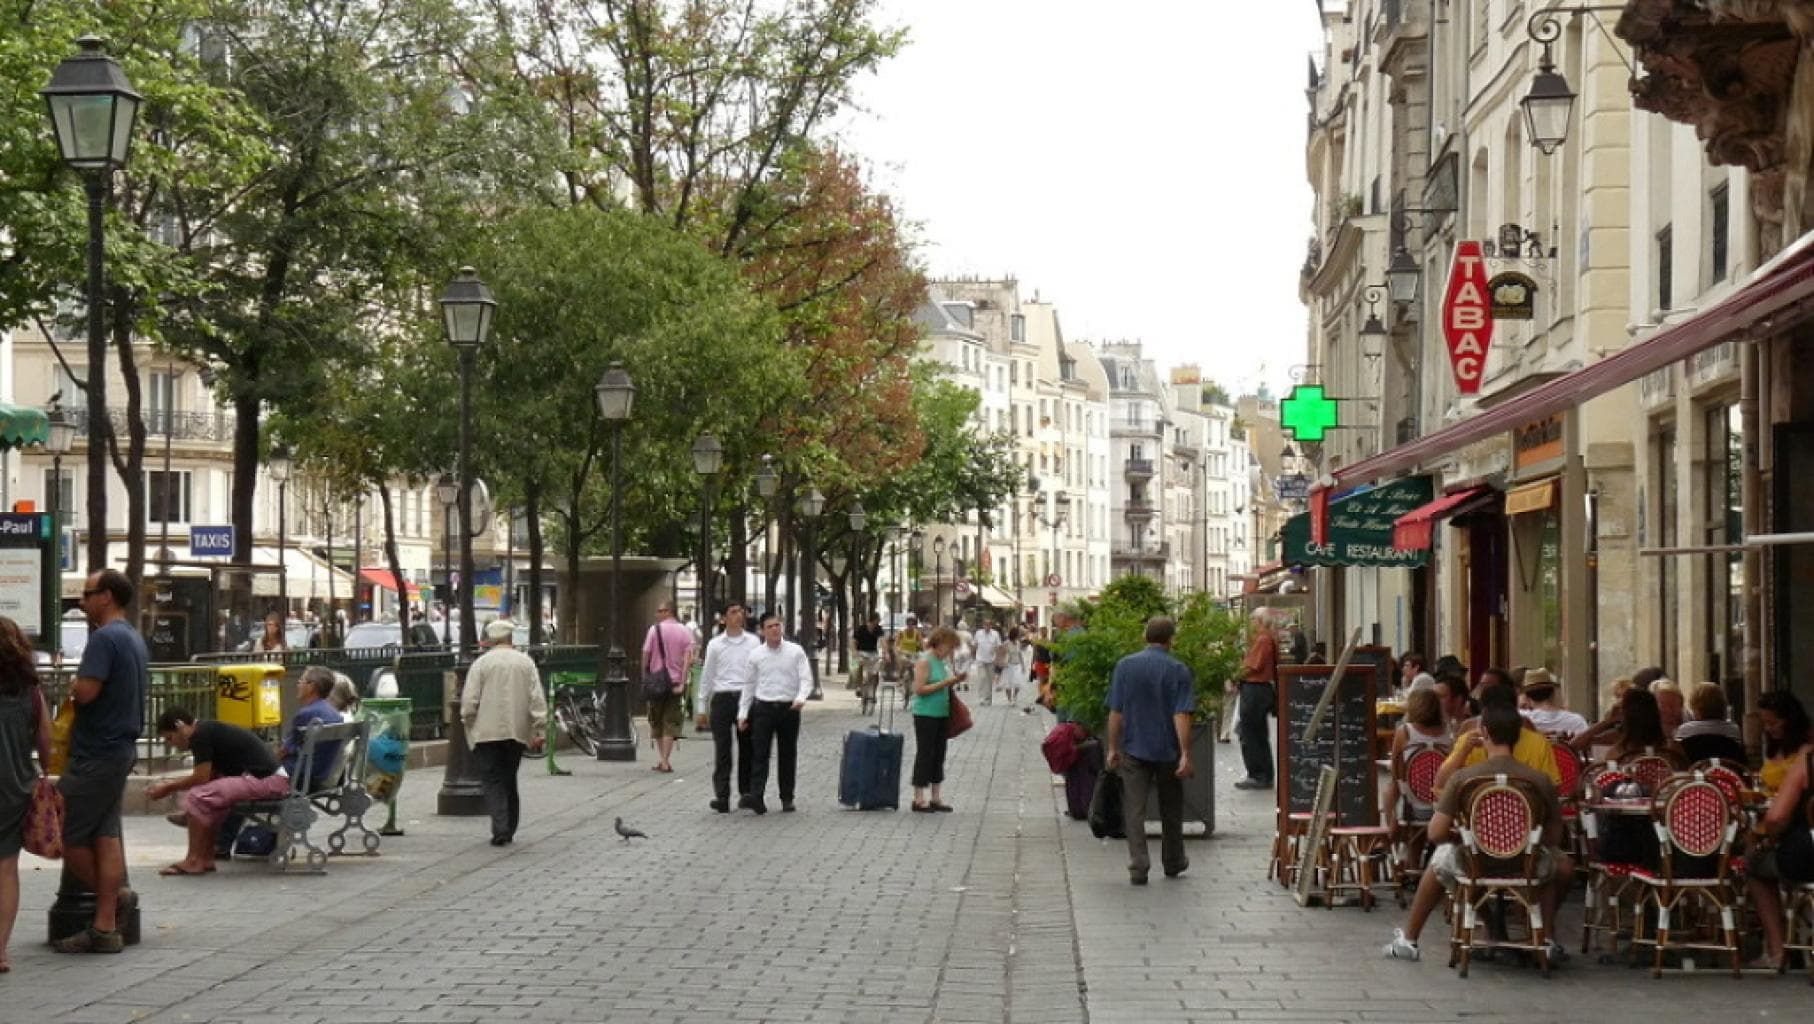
x=869, y=776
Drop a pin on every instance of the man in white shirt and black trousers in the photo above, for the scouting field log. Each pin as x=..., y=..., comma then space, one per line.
x=770, y=711
x=722, y=683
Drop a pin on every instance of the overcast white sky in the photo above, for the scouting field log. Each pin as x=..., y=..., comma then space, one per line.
x=1141, y=164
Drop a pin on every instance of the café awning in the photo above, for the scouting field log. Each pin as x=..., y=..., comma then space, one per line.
x=21, y=425
x=1774, y=295
x=386, y=579
x=1412, y=531
x=1360, y=530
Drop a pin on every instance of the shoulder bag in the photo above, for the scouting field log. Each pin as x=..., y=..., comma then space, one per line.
x=44, y=820
x=658, y=684
x=960, y=720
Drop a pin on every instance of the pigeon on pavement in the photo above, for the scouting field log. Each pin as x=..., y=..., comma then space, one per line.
x=627, y=832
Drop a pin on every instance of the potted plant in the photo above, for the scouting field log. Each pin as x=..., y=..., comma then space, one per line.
x=1208, y=641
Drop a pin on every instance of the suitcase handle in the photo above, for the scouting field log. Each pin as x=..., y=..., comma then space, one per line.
x=880, y=702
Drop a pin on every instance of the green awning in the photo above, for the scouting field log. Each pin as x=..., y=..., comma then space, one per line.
x=1360, y=528
x=21, y=425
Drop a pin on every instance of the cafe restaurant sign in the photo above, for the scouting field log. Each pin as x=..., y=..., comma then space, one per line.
x=1360, y=528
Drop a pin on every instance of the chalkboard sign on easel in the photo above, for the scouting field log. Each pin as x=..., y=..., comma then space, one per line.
x=1380, y=660
x=1344, y=742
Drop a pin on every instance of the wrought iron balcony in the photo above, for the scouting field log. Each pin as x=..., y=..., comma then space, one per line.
x=1130, y=552
x=1139, y=510
x=214, y=427
x=1140, y=469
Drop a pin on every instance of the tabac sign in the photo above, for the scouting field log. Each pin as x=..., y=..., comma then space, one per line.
x=1467, y=317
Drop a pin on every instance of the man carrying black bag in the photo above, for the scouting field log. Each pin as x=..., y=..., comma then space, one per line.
x=1152, y=700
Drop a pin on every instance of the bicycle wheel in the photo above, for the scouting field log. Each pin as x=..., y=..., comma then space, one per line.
x=576, y=728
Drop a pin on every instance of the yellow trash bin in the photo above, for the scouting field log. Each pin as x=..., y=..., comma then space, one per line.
x=249, y=696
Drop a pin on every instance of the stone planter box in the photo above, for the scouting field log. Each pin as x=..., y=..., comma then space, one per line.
x=1199, y=789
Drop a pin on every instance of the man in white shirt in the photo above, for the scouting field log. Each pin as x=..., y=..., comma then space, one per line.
x=770, y=712
x=727, y=674
x=982, y=669
x=1547, y=715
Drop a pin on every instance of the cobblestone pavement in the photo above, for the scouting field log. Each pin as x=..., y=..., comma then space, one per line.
x=1003, y=911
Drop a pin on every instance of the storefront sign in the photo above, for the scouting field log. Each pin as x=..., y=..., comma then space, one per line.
x=1513, y=295
x=1293, y=487
x=1467, y=318
x=1537, y=444
x=22, y=588
x=1360, y=528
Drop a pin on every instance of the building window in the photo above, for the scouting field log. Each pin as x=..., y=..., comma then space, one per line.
x=1667, y=572
x=1665, y=266
x=1017, y=327
x=167, y=496
x=1723, y=603
x=1720, y=217
x=63, y=382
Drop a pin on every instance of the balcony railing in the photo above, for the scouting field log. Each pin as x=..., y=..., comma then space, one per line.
x=160, y=423
x=1140, y=469
x=1136, y=425
x=1139, y=510
x=1142, y=552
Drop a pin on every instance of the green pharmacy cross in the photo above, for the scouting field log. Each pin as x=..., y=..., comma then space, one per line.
x=1308, y=413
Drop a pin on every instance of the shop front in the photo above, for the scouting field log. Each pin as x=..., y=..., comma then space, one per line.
x=1361, y=579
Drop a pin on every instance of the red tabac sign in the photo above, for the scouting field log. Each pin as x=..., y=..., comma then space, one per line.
x=1467, y=317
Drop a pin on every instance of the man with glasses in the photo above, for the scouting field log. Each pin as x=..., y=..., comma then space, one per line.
x=109, y=694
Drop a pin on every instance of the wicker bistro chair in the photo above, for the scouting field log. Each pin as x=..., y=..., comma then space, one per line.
x=1696, y=825
x=1287, y=841
x=1573, y=783
x=1500, y=821
x=1610, y=888
x=1651, y=770
x=1798, y=908
x=1418, y=764
x=1732, y=779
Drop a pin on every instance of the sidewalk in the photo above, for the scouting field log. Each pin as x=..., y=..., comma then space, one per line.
x=1002, y=911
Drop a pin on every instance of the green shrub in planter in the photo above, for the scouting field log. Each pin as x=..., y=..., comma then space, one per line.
x=1208, y=641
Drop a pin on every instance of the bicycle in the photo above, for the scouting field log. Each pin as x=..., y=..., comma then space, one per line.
x=581, y=715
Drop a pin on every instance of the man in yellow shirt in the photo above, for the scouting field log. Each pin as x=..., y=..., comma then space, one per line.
x=1533, y=748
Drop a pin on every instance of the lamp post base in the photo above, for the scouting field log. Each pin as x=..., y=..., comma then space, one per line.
x=617, y=750
x=461, y=795
x=73, y=911
x=618, y=744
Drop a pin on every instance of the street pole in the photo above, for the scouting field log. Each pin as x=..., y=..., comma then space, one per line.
x=810, y=507
x=447, y=575
x=618, y=744
x=97, y=185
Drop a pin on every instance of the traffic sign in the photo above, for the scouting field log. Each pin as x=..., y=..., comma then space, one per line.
x=1053, y=580
x=1294, y=487
x=962, y=587
x=1309, y=413
x=211, y=541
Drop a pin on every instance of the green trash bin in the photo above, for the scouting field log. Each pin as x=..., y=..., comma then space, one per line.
x=389, y=752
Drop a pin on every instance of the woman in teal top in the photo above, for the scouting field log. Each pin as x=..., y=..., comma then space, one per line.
x=932, y=683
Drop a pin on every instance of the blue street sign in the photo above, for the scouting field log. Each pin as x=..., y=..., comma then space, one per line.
x=211, y=541
x=24, y=524
x=67, y=551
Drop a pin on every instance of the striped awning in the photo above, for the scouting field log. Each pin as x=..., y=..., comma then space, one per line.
x=21, y=425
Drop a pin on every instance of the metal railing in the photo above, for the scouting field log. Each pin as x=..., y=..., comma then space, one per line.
x=1139, y=509
x=170, y=686
x=160, y=423
x=1140, y=467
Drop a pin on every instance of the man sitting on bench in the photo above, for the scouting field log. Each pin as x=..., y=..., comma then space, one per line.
x=312, y=690
x=231, y=764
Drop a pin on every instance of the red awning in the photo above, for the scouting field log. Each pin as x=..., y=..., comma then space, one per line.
x=1769, y=299
x=1411, y=531
x=386, y=579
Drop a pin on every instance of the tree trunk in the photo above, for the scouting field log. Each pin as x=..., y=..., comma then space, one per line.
x=132, y=469
x=840, y=588
x=737, y=558
x=245, y=474
x=569, y=595
x=395, y=561
x=532, y=510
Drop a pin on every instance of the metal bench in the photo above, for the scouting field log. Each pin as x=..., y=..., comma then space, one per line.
x=342, y=795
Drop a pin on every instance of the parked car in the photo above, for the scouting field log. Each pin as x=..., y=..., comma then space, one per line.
x=390, y=634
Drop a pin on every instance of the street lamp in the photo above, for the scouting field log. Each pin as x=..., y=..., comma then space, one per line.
x=768, y=484
x=895, y=532
x=708, y=459
x=92, y=110
x=59, y=438
x=278, y=466
x=466, y=312
x=810, y=508
x=858, y=519
x=616, y=395
x=916, y=546
x=1550, y=104
x=447, y=492
x=938, y=578
x=1403, y=277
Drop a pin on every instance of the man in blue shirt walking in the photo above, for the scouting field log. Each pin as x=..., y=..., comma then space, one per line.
x=1152, y=700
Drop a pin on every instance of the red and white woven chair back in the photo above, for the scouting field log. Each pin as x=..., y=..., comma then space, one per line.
x=1602, y=780
x=1731, y=781
x=1502, y=821
x=1650, y=771
x=1696, y=818
x=1421, y=766
x=1568, y=765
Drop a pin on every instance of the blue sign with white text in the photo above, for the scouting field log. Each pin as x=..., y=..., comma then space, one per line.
x=211, y=541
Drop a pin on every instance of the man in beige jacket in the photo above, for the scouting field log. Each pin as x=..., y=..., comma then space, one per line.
x=504, y=712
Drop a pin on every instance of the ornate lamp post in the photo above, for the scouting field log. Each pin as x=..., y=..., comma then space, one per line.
x=447, y=492
x=895, y=532
x=616, y=394
x=92, y=110
x=466, y=312
x=916, y=547
x=708, y=459
x=810, y=508
x=768, y=484
x=58, y=440
x=859, y=519
x=279, y=466
x=938, y=577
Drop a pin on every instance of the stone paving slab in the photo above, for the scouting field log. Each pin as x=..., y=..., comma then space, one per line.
x=1004, y=911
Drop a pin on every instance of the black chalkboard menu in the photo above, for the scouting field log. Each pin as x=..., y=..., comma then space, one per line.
x=1380, y=659
x=1344, y=741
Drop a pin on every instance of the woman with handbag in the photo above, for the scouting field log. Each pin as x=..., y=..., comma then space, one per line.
x=24, y=727
x=932, y=683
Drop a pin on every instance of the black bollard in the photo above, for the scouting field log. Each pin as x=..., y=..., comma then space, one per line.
x=73, y=910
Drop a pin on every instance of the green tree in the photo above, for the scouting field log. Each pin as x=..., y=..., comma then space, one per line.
x=1208, y=641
